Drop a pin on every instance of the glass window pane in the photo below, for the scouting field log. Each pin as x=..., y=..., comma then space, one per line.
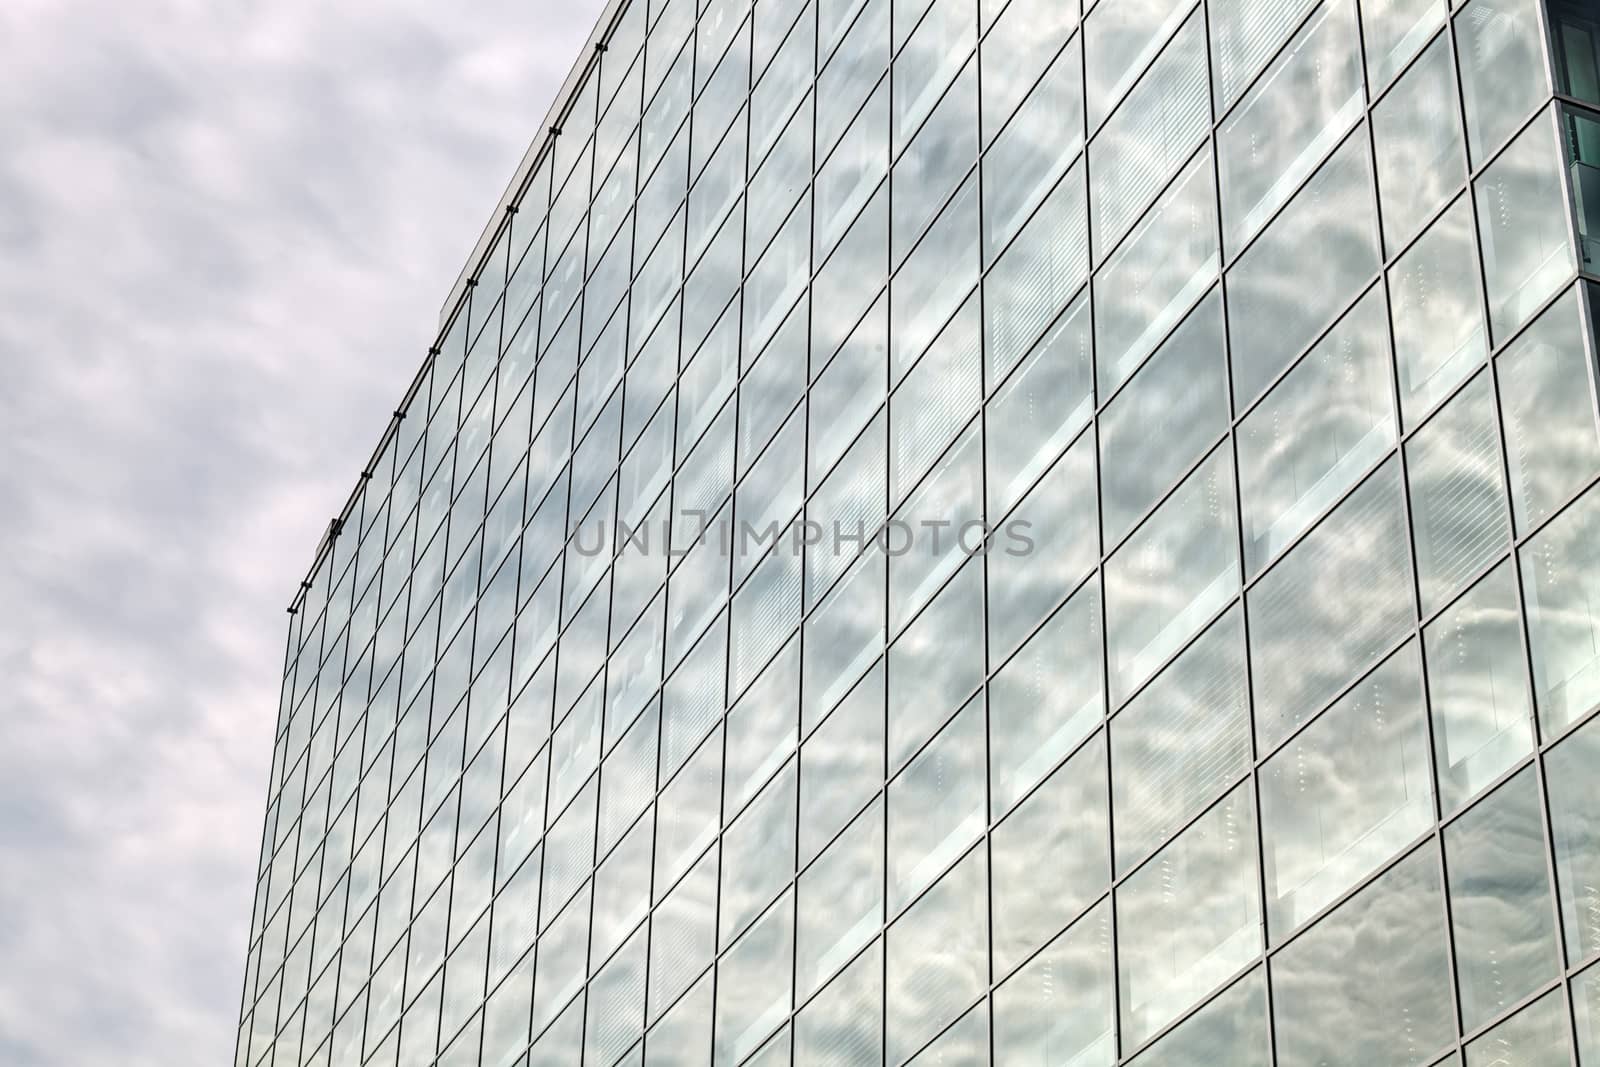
x=850, y=502
x=1502, y=69
x=761, y=728
x=1500, y=902
x=662, y=188
x=1522, y=227
x=938, y=958
x=1577, y=65
x=775, y=281
x=575, y=751
x=562, y=954
x=841, y=765
x=851, y=72
x=1552, y=444
x=767, y=609
x=688, y=813
x=1279, y=297
x=1058, y=1009
x=1181, y=741
x=1293, y=117
x=936, y=664
x=935, y=162
x=1394, y=31
x=1561, y=591
x=1416, y=129
x=1046, y=699
x=1438, y=320
x=965, y=1042
x=935, y=278
x=1120, y=40
x=848, y=282
x=936, y=49
x=711, y=287
x=1346, y=794
x=1536, y=1036
x=775, y=1053
x=569, y=853
x=1458, y=503
x=683, y=1038
x=715, y=191
x=1153, y=131
x=683, y=935
x=1178, y=569
x=1478, y=686
x=1574, y=798
x=852, y=391
x=1157, y=273
x=842, y=638
x=843, y=1025
x=1024, y=40
x=1581, y=144
x=722, y=78
x=699, y=585
x=616, y=1001
x=785, y=57
x=779, y=183
x=1037, y=275
x=1586, y=1010
x=1043, y=549
x=554, y=1045
x=1317, y=432
x=1331, y=607
x=628, y=778
x=841, y=901
x=935, y=399
x=758, y=854
x=1232, y=1029
x=1034, y=149
x=834, y=18
x=1189, y=918
x=1060, y=828
x=753, y=984
x=936, y=806
x=1040, y=407
x=772, y=386
x=1244, y=34
x=1371, y=982
x=1174, y=408
x=933, y=533
x=621, y=891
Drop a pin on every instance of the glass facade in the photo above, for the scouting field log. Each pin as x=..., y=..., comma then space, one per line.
x=966, y=531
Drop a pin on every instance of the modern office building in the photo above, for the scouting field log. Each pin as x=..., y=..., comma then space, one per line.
x=952, y=531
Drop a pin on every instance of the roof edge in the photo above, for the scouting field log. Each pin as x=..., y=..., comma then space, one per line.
x=464, y=280
x=530, y=158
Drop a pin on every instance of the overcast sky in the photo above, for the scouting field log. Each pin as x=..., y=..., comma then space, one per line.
x=225, y=232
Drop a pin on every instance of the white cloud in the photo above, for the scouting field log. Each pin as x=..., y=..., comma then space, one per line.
x=225, y=232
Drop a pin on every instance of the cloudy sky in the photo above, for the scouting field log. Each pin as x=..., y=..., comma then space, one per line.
x=225, y=232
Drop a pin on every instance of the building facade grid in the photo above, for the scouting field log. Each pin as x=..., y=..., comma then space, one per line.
x=969, y=531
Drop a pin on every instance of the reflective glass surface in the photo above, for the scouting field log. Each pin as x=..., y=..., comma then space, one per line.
x=1458, y=507
x=1560, y=572
x=1189, y=918
x=967, y=531
x=1575, y=832
x=1370, y=983
x=1504, y=926
x=1482, y=715
x=1522, y=226
x=1345, y=794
